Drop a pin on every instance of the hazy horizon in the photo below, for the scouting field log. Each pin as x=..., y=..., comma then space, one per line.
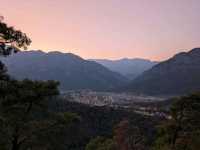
x=110, y=59
x=108, y=29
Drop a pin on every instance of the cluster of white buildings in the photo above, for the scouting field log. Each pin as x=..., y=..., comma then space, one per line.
x=106, y=98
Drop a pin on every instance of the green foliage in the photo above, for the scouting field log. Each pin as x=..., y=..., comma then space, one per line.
x=182, y=131
x=128, y=136
x=11, y=39
x=25, y=120
x=66, y=118
x=101, y=143
x=28, y=92
x=95, y=143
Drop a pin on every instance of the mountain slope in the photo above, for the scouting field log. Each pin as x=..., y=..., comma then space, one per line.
x=178, y=75
x=72, y=71
x=131, y=68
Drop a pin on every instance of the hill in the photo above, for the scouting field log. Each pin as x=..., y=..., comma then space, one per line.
x=178, y=75
x=131, y=68
x=70, y=70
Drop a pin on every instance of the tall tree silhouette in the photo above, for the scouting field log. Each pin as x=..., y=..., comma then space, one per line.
x=11, y=40
x=25, y=119
x=182, y=131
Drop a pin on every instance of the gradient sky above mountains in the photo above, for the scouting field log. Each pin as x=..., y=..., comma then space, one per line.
x=154, y=29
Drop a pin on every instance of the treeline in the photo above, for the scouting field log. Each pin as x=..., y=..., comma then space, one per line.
x=98, y=122
x=33, y=117
x=180, y=132
x=25, y=120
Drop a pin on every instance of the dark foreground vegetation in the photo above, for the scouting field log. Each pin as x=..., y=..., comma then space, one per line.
x=102, y=122
x=33, y=117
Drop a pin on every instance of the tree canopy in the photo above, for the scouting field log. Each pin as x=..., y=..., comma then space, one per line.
x=11, y=40
x=26, y=122
x=182, y=131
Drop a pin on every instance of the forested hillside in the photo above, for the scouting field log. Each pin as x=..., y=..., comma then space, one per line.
x=176, y=76
x=70, y=70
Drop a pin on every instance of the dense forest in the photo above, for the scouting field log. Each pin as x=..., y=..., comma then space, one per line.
x=34, y=117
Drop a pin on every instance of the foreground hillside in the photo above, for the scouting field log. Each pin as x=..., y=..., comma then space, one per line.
x=100, y=121
x=178, y=75
x=131, y=68
x=70, y=70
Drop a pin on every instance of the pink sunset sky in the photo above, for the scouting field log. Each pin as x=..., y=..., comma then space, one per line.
x=113, y=29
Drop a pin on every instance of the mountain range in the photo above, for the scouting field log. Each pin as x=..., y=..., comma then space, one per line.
x=175, y=76
x=131, y=68
x=72, y=71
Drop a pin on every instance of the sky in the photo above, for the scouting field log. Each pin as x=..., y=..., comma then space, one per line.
x=112, y=29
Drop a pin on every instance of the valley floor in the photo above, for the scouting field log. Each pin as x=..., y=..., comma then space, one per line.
x=145, y=105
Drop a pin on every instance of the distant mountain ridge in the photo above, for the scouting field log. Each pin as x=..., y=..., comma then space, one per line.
x=72, y=71
x=175, y=76
x=131, y=68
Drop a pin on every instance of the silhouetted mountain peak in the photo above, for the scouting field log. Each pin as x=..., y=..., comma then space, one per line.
x=177, y=75
x=195, y=52
x=72, y=71
x=192, y=53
